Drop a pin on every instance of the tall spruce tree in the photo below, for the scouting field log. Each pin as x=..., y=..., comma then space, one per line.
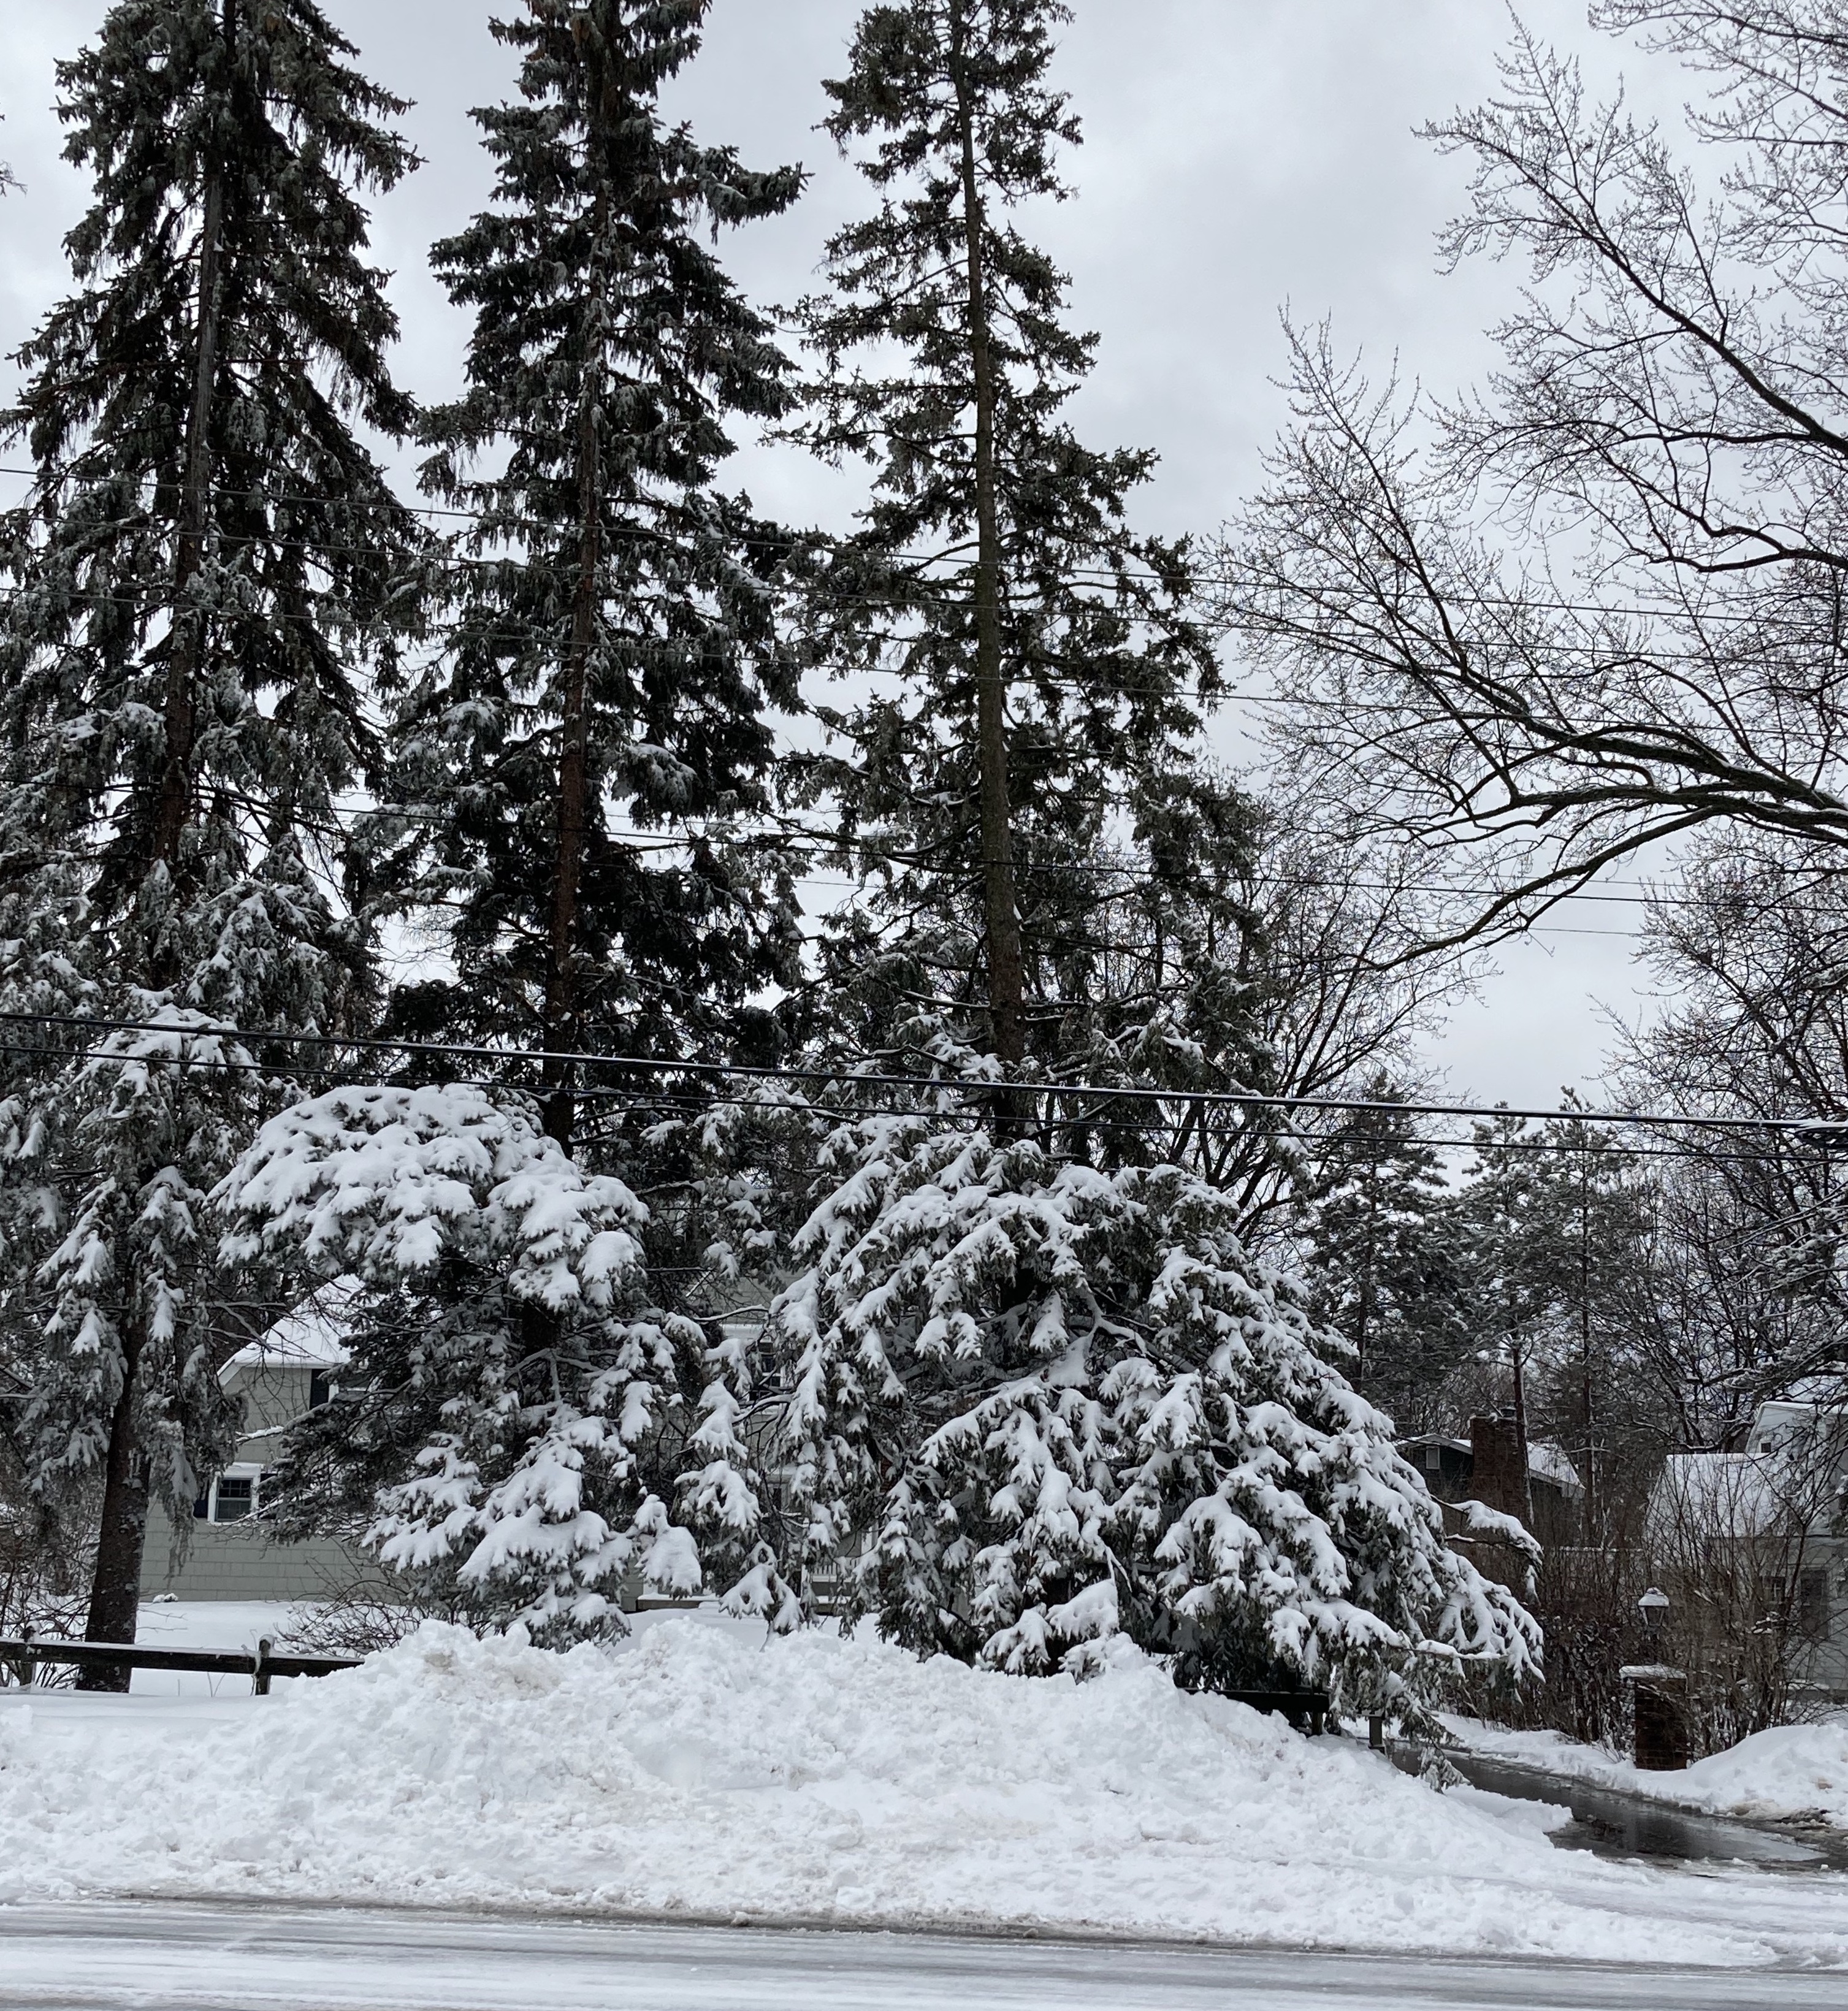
x=1044, y=653
x=204, y=570
x=1038, y=1389
x=1386, y=1261
x=1570, y=1229
x=575, y=784
x=1515, y=1288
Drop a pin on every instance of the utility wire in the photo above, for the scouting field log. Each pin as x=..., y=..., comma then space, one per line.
x=1317, y=1148
x=1593, y=652
x=794, y=840
x=1810, y=1127
x=1109, y=575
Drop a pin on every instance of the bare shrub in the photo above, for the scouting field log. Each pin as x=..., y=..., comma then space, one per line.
x=42, y=1574
x=364, y=1617
x=1733, y=1542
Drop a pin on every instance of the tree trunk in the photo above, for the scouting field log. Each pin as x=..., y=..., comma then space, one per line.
x=1587, y=1394
x=1517, y=1360
x=573, y=776
x=115, y=1588
x=1363, y=1325
x=186, y=644
x=1001, y=907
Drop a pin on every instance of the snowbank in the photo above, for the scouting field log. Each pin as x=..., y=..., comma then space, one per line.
x=1798, y=1771
x=698, y=1772
x=1794, y=1773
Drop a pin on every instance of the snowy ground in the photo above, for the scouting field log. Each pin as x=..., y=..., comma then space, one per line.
x=1795, y=1773
x=701, y=1773
x=234, y=1625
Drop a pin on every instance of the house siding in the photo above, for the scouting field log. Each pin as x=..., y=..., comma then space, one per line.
x=207, y=1559
x=225, y=1560
x=1825, y=1667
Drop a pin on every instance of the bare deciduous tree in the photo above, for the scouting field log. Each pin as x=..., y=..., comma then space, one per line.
x=1601, y=604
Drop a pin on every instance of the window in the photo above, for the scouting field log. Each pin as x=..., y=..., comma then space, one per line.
x=236, y=1497
x=320, y=1389
x=1812, y=1605
x=1434, y=1459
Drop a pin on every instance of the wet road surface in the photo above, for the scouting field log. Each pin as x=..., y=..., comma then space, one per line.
x=164, y=1956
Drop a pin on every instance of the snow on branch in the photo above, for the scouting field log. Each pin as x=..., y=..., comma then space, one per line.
x=387, y=1183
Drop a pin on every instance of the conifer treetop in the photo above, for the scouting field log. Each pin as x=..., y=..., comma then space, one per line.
x=591, y=259
x=160, y=101
x=614, y=655
x=212, y=492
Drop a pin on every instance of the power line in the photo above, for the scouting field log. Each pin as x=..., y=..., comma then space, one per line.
x=1110, y=574
x=1819, y=1129
x=1315, y=1148
x=1593, y=653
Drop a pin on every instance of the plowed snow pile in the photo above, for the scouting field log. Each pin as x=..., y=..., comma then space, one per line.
x=698, y=1771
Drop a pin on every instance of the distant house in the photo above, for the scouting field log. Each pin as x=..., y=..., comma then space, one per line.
x=1771, y=1521
x=227, y=1551
x=1447, y=1463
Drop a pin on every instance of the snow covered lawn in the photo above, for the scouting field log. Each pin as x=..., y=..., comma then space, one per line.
x=1796, y=1772
x=229, y=1624
x=699, y=1771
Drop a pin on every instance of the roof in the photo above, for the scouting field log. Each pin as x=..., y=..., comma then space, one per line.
x=1546, y=1462
x=1735, y=1494
x=1790, y=1473
x=1776, y=1423
x=312, y=1336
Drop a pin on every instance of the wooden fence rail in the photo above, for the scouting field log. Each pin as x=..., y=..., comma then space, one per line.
x=260, y=1666
x=1306, y=1710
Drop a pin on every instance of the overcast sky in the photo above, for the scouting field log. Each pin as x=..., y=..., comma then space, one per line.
x=1240, y=156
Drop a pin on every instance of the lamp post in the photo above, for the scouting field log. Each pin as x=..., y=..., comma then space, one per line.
x=1660, y=1693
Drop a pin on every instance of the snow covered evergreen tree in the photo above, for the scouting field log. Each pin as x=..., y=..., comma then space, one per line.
x=1037, y=1386
x=573, y=789
x=508, y=1440
x=204, y=570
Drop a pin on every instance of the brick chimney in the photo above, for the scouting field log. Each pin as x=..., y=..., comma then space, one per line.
x=1500, y=1480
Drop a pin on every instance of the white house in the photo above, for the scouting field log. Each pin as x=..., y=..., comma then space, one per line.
x=1780, y=1501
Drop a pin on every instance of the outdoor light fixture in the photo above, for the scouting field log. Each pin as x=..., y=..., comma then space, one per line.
x=1654, y=1604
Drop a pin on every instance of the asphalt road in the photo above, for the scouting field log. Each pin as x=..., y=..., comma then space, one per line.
x=164, y=1957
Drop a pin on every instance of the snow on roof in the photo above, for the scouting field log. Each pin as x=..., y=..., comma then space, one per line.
x=1737, y=1492
x=312, y=1336
x=1546, y=1462
x=1784, y=1423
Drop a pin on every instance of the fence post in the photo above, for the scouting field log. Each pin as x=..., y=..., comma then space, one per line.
x=259, y=1674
